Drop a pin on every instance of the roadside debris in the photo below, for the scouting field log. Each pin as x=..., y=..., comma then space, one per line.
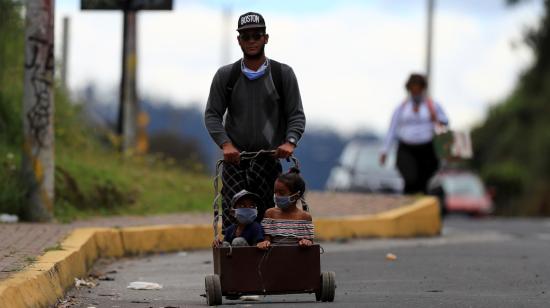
x=102, y=276
x=434, y=291
x=391, y=257
x=143, y=285
x=82, y=282
x=7, y=218
x=66, y=302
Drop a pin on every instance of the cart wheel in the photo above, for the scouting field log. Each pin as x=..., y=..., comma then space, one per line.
x=328, y=287
x=213, y=290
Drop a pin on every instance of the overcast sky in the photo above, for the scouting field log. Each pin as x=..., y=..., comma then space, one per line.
x=351, y=57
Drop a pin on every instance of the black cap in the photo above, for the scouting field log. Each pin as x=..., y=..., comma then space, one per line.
x=250, y=20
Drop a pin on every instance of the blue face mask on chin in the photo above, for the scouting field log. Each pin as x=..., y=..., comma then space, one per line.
x=253, y=75
x=246, y=215
x=283, y=202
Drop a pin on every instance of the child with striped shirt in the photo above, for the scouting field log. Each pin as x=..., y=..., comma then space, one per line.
x=286, y=223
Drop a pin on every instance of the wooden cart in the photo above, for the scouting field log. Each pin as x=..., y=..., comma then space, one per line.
x=282, y=269
x=285, y=269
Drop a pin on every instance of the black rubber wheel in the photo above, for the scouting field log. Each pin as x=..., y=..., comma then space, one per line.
x=213, y=288
x=328, y=286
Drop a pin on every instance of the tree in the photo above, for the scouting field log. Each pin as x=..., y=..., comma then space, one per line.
x=512, y=146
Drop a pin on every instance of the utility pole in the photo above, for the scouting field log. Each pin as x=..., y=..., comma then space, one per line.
x=226, y=35
x=65, y=53
x=129, y=112
x=429, y=40
x=129, y=105
x=38, y=110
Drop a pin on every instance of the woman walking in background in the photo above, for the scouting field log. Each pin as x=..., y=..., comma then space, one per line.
x=413, y=125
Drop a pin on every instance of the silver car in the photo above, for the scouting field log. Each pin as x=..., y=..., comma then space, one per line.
x=359, y=170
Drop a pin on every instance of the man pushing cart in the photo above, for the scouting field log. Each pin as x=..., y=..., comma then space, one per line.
x=254, y=106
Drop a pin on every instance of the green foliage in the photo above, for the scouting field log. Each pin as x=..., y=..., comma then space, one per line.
x=11, y=90
x=91, y=177
x=512, y=146
x=12, y=190
x=11, y=66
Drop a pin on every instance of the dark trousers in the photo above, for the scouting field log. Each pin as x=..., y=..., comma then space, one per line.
x=417, y=164
x=257, y=176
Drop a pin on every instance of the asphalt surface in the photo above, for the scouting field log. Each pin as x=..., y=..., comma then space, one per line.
x=475, y=263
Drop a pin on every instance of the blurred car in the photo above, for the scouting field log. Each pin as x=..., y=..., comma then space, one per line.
x=461, y=191
x=359, y=170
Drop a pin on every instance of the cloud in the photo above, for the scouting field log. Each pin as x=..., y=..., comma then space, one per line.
x=351, y=61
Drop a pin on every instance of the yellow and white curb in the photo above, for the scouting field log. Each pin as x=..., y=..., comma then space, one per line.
x=42, y=283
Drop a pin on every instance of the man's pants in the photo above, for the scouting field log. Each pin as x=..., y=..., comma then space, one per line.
x=257, y=176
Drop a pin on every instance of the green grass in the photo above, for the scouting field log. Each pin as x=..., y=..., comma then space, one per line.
x=102, y=182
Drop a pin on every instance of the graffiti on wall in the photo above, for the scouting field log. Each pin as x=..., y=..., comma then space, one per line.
x=40, y=63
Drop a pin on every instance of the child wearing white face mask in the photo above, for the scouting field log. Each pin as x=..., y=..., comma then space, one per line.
x=286, y=223
x=246, y=232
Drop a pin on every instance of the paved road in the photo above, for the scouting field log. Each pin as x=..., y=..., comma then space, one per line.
x=476, y=263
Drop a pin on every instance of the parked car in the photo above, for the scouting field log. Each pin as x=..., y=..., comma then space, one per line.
x=461, y=191
x=359, y=170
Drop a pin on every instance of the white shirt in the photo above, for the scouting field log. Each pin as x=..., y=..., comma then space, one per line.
x=413, y=127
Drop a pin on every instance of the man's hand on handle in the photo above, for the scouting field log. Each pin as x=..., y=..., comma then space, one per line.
x=285, y=150
x=230, y=153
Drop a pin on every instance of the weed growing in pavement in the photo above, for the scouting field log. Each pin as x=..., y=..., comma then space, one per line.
x=52, y=248
x=30, y=259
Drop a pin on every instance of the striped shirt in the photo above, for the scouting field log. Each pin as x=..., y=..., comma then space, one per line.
x=287, y=231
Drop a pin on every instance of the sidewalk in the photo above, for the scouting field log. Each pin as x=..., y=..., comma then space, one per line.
x=20, y=243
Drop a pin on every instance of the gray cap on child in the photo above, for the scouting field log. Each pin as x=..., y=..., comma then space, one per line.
x=244, y=193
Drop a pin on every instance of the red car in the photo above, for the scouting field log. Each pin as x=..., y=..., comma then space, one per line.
x=461, y=191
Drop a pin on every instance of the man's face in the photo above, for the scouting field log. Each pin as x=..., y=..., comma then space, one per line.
x=252, y=42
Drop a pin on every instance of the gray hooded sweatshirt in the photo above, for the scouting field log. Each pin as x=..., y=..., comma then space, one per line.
x=255, y=119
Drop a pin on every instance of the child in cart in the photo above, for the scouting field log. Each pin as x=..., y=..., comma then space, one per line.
x=286, y=223
x=246, y=231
